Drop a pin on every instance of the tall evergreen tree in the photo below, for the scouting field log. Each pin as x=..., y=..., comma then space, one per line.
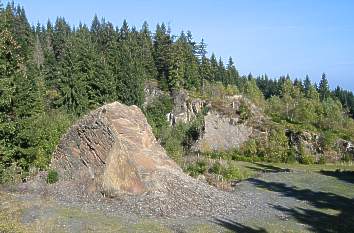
x=323, y=88
x=61, y=32
x=232, y=75
x=147, y=49
x=202, y=50
x=162, y=53
x=307, y=84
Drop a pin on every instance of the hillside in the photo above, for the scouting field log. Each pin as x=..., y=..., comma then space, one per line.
x=52, y=74
x=126, y=129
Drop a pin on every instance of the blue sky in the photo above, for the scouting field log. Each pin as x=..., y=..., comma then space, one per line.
x=276, y=37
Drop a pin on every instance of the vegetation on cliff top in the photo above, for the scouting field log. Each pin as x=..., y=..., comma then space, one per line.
x=51, y=74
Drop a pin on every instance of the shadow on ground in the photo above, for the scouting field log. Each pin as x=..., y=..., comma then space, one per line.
x=237, y=227
x=327, y=213
x=347, y=176
x=267, y=168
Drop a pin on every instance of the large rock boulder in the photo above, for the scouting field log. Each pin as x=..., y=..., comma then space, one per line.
x=112, y=150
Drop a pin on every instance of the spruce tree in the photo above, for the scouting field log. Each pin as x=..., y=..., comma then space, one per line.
x=162, y=53
x=231, y=73
x=323, y=88
x=146, y=50
x=307, y=84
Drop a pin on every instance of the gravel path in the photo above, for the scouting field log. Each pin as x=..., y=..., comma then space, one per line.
x=274, y=202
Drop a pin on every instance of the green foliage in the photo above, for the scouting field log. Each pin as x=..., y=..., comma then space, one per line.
x=12, y=174
x=217, y=168
x=49, y=75
x=52, y=177
x=231, y=172
x=322, y=160
x=250, y=89
x=244, y=111
x=327, y=140
x=156, y=114
x=193, y=131
x=347, y=157
x=292, y=157
x=198, y=168
x=228, y=171
x=307, y=159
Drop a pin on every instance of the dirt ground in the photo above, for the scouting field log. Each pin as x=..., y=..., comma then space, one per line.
x=279, y=198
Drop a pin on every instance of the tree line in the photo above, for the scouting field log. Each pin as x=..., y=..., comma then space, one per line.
x=51, y=74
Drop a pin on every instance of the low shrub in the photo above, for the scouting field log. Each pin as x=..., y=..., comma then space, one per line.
x=227, y=171
x=10, y=175
x=347, y=157
x=217, y=168
x=322, y=160
x=232, y=172
x=198, y=168
x=307, y=159
x=52, y=177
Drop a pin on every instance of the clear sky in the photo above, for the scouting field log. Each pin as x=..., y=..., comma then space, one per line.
x=276, y=37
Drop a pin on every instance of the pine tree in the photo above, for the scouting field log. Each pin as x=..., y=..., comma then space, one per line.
x=124, y=31
x=202, y=50
x=214, y=67
x=205, y=71
x=162, y=53
x=177, y=65
x=221, y=72
x=307, y=84
x=61, y=33
x=146, y=47
x=75, y=72
x=323, y=88
x=20, y=100
x=231, y=73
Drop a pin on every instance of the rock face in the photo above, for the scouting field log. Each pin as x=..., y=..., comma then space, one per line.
x=112, y=150
x=185, y=108
x=151, y=92
x=309, y=141
x=222, y=133
x=229, y=124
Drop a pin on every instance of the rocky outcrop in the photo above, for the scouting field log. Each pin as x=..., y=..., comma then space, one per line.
x=222, y=133
x=311, y=144
x=230, y=123
x=112, y=150
x=185, y=108
x=346, y=147
x=151, y=92
x=304, y=141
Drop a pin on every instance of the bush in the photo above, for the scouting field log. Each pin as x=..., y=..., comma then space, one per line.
x=327, y=140
x=10, y=174
x=291, y=156
x=347, y=157
x=217, y=168
x=227, y=171
x=156, y=114
x=232, y=172
x=244, y=111
x=322, y=160
x=307, y=159
x=52, y=177
x=197, y=168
